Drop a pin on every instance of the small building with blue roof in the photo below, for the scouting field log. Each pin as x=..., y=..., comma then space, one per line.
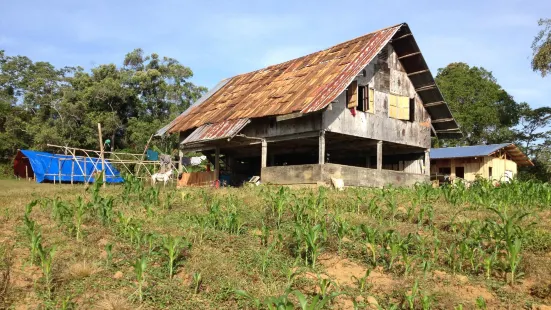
x=497, y=162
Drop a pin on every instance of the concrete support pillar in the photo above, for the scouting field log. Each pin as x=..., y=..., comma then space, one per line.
x=321, y=153
x=427, y=162
x=180, y=156
x=217, y=163
x=264, y=156
x=380, y=155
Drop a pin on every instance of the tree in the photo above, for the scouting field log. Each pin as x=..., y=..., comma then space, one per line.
x=485, y=112
x=41, y=104
x=534, y=129
x=541, y=48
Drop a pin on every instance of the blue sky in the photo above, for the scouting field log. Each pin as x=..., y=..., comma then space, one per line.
x=219, y=39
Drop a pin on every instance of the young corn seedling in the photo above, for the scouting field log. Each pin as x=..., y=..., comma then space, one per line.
x=81, y=207
x=172, y=246
x=513, y=258
x=370, y=238
x=197, y=280
x=264, y=234
x=342, y=228
x=317, y=303
x=489, y=263
x=313, y=238
x=411, y=296
x=362, y=281
x=481, y=303
x=324, y=285
x=140, y=266
x=46, y=263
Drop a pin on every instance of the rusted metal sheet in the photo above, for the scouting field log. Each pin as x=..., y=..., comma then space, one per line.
x=221, y=130
x=306, y=84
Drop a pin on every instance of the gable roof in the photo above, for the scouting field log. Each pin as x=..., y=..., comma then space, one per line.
x=309, y=83
x=481, y=150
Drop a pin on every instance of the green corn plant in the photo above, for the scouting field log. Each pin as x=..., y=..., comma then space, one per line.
x=317, y=302
x=324, y=285
x=370, y=238
x=148, y=209
x=172, y=246
x=481, y=303
x=264, y=234
x=266, y=258
x=410, y=297
x=280, y=201
x=81, y=207
x=426, y=301
x=362, y=281
x=313, y=238
x=46, y=263
x=458, y=307
x=169, y=200
x=140, y=267
x=342, y=228
x=197, y=280
x=513, y=258
x=149, y=239
x=109, y=252
x=408, y=260
x=202, y=223
x=426, y=266
x=489, y=263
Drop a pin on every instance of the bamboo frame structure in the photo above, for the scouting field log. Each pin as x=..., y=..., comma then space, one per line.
x=120, y=158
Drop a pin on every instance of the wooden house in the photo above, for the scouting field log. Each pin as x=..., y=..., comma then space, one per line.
x=362, y=111
x=497, y=162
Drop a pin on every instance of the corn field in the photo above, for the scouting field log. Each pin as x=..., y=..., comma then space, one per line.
x=268, y=247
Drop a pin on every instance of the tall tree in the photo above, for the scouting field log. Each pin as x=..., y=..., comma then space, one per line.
x=41, y=104
x=485, y=112
x=541, y=48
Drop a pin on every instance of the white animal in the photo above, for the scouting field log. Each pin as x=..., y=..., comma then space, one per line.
x=161, y=177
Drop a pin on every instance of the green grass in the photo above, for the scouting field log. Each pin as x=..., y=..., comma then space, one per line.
x=263, y=247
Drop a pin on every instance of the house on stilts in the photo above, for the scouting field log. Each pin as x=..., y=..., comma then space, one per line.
x=362, y=111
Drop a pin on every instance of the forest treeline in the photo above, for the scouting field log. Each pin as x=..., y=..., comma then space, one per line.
x=41, y=104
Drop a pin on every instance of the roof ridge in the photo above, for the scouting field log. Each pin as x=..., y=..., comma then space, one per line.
x=478, y=145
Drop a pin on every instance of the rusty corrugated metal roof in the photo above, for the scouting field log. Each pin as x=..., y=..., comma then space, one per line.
x=221, y=130
x=306, y=84
x=309, y=83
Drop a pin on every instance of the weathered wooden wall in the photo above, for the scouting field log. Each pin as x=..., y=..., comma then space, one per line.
x=479, y=166
x=386, y=75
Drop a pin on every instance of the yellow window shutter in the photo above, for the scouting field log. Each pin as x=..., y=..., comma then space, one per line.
x=404, y=108
x=353, y=95
x=392, y=106
x=371, y=107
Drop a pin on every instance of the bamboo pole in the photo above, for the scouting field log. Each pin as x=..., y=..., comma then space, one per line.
x=72, y=171
x=143, y=154
x=27, y=173
x=102, y=155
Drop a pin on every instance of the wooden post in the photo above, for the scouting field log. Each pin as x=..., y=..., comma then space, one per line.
x=180, y=156
x=380, y=155
x=321, y=149
x=102, y=155
x=27, y=173
x=264, y=155
x=427, y=162
x=452, y=168
x=217, y=163
x=72, y=171
x=143, y=155
x=58, y=171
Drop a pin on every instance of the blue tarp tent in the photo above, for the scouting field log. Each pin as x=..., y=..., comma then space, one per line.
x=51, y=167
